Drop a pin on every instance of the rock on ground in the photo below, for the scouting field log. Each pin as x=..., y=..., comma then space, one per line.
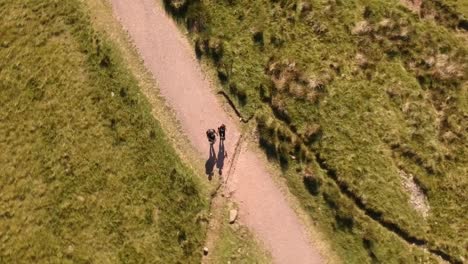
x=232, y=216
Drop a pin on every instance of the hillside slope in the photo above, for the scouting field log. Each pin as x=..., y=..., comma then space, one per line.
x=363, y=103
x=86, y=173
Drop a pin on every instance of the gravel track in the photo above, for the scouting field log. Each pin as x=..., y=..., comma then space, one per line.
x=168, y=55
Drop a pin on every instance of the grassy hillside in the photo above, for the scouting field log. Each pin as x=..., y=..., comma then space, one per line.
x=86, y=174
x=371, y=100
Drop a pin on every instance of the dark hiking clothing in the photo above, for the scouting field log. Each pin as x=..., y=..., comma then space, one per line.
x=211, y=134
x=222, y=131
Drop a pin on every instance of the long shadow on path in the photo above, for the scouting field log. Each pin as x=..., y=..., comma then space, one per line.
x=210, y=163
x=221, y=156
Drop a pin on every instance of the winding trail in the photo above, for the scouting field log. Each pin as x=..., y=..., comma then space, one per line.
x=169, y=57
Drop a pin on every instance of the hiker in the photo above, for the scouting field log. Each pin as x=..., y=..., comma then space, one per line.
x=222, y=132
x=211, y=135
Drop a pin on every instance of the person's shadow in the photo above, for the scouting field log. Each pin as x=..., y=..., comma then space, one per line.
x=221, y=156
x=210, y=163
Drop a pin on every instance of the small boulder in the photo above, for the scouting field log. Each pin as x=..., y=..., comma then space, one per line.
x=232, y=216
x=176, y=5
x=386, y=24
x=205, y=251
x=361, y=60
x=70, y=249
x=361, y=28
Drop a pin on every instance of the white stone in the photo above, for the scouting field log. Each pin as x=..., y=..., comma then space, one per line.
x=232, y=216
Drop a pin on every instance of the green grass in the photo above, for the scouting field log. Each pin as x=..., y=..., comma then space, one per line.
x=86, y=172
x=369, y=87
x=237, y=245
x=459, y=6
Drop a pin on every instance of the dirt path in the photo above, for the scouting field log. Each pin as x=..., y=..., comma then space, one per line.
x=170, y=58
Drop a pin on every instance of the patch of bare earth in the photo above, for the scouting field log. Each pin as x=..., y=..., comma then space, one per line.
x=417, y=197
x=413, y=5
